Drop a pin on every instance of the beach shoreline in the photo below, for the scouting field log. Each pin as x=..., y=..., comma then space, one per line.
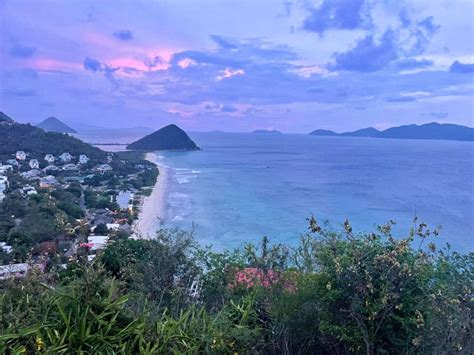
x=152, y=208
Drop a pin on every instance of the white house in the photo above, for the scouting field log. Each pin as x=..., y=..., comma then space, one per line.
x=83, y=159
x=20, y=155
x=50, y=168
x=3, y=187
x=29, y=190
x=103, y=168
x=31, y=174
x=13, y=162
x=65, y=157
x=69, y=167
x=34, y=164
x=6, y=248
x=49, y=158
x=5, y=168
x=98, y=241
x=48, y=182
x=13, y=270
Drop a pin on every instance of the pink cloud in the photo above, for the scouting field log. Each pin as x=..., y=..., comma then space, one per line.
x=186, y=62
x=229, y=72
x=53, y=64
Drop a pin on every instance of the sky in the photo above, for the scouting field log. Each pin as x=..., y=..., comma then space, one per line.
x=290, y=65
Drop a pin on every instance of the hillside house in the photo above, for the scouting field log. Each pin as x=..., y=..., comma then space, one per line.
x=49, y=158
x=29, y=190
x=69, y=167
x=6, y=248
x=31, y=174
x=103, y=168
x=50, y=168
x=34, y=164
x=20, y=155
x=65, y=157
x=97, y=242
x=13, y=162
x=83, y=159
x=3, y=187
x=48, y=182
x=5, y=168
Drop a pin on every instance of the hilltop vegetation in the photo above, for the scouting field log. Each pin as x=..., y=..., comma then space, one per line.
x=334, y=293
x=36, y=141
x=170, y=137
x=52, y=124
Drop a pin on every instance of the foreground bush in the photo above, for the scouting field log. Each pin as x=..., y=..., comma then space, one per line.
x=335, y=293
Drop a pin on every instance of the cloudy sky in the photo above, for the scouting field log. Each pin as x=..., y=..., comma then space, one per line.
x=291, y=65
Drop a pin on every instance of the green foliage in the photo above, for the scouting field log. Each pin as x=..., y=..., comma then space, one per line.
x=333, y=293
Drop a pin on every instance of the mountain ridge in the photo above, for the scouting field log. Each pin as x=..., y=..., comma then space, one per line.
x=170, y=137
x=53, y=124
x=433, y=130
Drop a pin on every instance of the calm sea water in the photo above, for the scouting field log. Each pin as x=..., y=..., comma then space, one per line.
x=241, y=187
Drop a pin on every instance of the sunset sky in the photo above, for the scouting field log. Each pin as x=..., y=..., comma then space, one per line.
x=238, y=65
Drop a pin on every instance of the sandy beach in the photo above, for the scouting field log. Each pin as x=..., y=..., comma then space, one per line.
x=153, y=206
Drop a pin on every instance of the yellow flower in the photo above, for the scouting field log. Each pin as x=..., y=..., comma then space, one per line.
x=39, y=343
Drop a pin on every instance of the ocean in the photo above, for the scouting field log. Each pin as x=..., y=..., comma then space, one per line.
x=241, y=187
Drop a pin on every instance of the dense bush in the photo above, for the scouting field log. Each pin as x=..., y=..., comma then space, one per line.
x=334, y=293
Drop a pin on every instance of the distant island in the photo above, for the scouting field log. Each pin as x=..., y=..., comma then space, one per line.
x=52, y=124
x=267, y=131
x=4, y=118
x=432, y=130
x=170, y=137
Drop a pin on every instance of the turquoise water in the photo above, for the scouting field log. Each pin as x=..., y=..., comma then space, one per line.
x=243, y=186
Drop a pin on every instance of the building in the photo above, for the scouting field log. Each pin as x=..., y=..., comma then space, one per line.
x=29, y=190
x=13, y=162
x=49, y=158
x=34, y=164
x=103, y=168
x=3, y=187
x=65, y=157
x=70, y=167
x=13, y=271
x=50, y=168
x=31, y=174
x=48, y=182
x=5, y=168
x=20, y=155
x=97, y=242
x=6, y=248
x=83, y=159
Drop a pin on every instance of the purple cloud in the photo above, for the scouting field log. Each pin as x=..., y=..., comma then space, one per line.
x=21, y=51
x=461, y=68
x=123, y=35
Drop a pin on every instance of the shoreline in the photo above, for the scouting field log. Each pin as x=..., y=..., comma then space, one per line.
x=152, y=208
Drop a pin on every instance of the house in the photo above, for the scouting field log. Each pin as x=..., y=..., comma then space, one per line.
x=97, y=242
x=13, y=162
x=3, y=187
x=34, y=164
x=13, y=270
x=5, y=168
x=49, y=158
x=103, y=168
x=48, y=182
x=83, y=159
x=20, y=155
x=65, y=157
x=50, y=168
x=29, y=190
x=6, y=248
x=31, y=174
x=69, y=167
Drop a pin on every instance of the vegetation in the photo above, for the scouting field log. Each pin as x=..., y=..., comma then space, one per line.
x=334, y=293
x=170, y=137
x=32, y=139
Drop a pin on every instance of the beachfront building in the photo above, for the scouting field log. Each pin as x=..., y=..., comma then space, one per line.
x=48, y=182
x=49, y=158
x=97, y=242
x=83, y=159
x=65, y=157
x=103, y=168
x=34, y=164
x=70, y=167
x=20, y=155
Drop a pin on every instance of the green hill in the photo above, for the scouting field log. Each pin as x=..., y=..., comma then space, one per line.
x=170, y=137
x=52, y=124
x=37, y=142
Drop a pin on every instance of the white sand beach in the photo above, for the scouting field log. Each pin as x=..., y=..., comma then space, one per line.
x=153, y=207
